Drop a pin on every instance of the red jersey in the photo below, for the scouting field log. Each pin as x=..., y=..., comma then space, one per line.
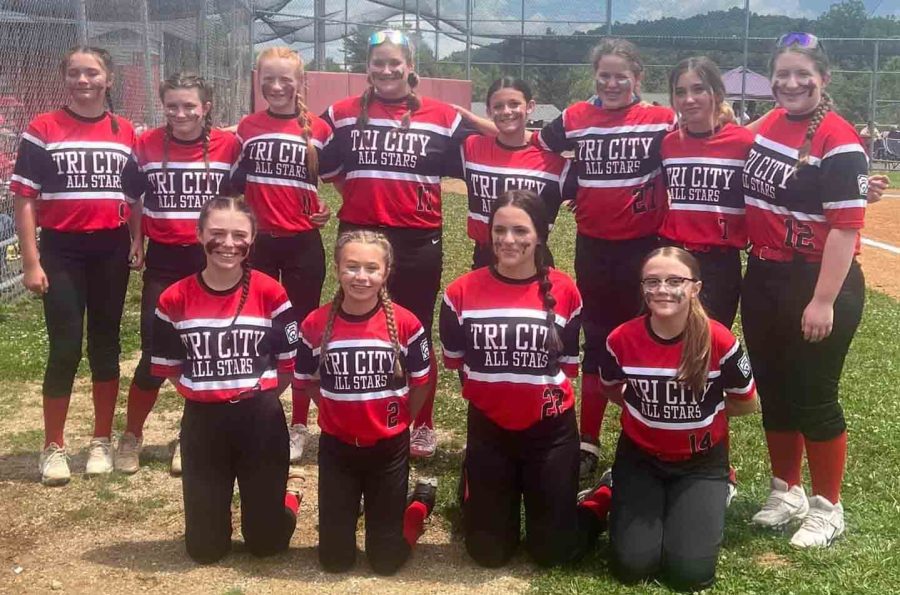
x=215, y=360
x=663, y=416
x=495, y=328
x=174, y=194
x=272, y=172
x=75, y=167
x=621, y=195
x=790, y=210
x=706, y=193
x=361, y=401
x=491, y=168
x=392, y=177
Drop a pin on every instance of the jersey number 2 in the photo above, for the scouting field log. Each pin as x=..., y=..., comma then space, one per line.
x=393, y=414
x=553, y=401
x=797, y=235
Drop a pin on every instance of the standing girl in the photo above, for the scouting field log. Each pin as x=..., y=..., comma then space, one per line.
x=805, y=183
x=226, y=338
x=389, y=150
x=68, y=179
x=620, y=204
x=512, y=329
x=683, y=375
x=279, y=175
x=365, y=361
x=182, y=165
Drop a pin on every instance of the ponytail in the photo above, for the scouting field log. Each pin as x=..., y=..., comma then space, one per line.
x=693, y=369
x=553, y=343
x=387, y=304
x=304, y=119
x=413, y=102
x=825, y=106
x=336, y=302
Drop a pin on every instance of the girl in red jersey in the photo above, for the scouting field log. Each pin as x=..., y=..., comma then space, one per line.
x=68, y=179
x=182, y=165
x=619, y=206
x=279, y=175
x=389, y=149
x=492, y=165
x=226, y=338
x=365, y=361
x=805, y=182
x=512, y=329
x=683, y=376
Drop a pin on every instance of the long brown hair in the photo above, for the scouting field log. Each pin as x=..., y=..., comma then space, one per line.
x=106, y=62
x=693, y=369
x=708, y=73
x=188, y=80
x=413, y=102
x=304, y=116
x=360, y=236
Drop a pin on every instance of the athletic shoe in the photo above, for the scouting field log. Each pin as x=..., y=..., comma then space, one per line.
x=100, y=457
x=589, y=460
x=782, y=506
x=128, y=453
x=54, y=466
x=605, y=480
x=822, y=525
x=175, y=467
x=425, y=492
x=297, y=434
x=295, y=484
x=422, y=442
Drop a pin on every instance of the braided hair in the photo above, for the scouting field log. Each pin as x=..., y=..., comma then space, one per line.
x=528, y=201
x=413, y=103
x=189, y=80
x=106, y=61
x=825, y=105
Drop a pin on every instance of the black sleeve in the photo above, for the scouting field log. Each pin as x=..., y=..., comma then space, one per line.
x=134, y=181
x=454, y=164
x=418, y=357
x=285, y=335
x=453, y=338
x=167, y=356
x=552, y=137
x=611, y=372
x=331, y=160
x=737, y=376
x=33, y=163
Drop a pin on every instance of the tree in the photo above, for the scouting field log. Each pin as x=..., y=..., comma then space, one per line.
x=846, y=19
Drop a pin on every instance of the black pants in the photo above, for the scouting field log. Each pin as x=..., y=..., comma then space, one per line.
x=539, y=463
x=246, y=440
x=297, y=262
x=87, y=272
x=381, y=473
x=608, y=275
x=720, y=270
x=667, y=518
x=166, y=264
x=798, y=380
x=416, y=280
x=483, y=255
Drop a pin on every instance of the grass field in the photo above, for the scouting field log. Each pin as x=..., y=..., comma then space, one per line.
x=124, y=533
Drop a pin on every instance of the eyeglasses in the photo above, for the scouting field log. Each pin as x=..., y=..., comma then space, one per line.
x=391, y=35
x=800, y=39
x=652, y=283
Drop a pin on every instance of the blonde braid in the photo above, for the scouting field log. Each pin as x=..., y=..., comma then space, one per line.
x=387, y=305
x=364, y=102
x=825, y=106
x=166, y=138
x=304, y=119
x=207, y=130
x=329, y=327
x=413, y=102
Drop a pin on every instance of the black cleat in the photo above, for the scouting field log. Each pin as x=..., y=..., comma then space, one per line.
x=605, y=480
x=424, y=492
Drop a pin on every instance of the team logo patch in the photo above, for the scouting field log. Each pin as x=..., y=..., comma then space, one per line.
x=744, y=366
x=863, y=182
x=290, y=331
x=425, y=350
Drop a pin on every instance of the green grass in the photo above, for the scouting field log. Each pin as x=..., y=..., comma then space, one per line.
x=867, y=560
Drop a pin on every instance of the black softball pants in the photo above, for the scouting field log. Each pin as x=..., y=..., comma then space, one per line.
x=297, y=261
x=798, y=380
x=381, y=473
x=244, y=440
x=540, y=464
x=87, y=272
x=667, y=518
x=166, y=264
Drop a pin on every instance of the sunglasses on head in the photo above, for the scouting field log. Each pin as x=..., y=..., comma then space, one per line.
x=391, y=35
x=799, y=39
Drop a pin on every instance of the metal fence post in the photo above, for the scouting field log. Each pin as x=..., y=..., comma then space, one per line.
x=203, y=50
x=873, y=106
x=746, y=59
x=609, y=24
x=469, y=38
x=82, y=22
x=150, y=104
x=522, y=50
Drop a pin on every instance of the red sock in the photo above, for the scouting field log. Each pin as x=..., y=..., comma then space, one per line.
x=826, y=466
x=593, y=406
x=786, y=455
x=426, y=414
x=599, y=502
x=55, y=411
x=140, y=404
x=414, y=522
x=292, y=502
x=105, y=394
x=299, y=406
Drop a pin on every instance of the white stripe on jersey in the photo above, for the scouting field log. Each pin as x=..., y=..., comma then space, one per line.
x=761, y=204
x=226, y=384
x=568, y=359
x=395, y=124
x=281, y=182
x=669, y=373
x=704, y=161
x=585, y=183
x=511, y=171
x=222, y=322
x=617, y=129
x=25, y=182
x=88, y=144
x=161, y=316
x=708, y=208
x=478, y=217
x=33, y=140
x=281, y=308
x=183, y=215
x=491, y=377
x=213, y=165
x=848, y=148
x=287, y=354
x=294, y=138
x=415, y=337
x=785, y=150
x=730, y=352
x=86, y=195
x=351, y=343
x=741, y=390
x=419, y=373
x=662, y=425
x=358, y=397
x=391, y=175
x=452, y=354
x=859, y=203
x=511, y=313
x=161, y=361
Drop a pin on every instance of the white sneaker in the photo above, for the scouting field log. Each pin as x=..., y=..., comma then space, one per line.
x=54, y=466
x=823, y=524
x=782, y=506
x=297, y=434
x=422, y=442
x=100, y=457
x=128, y=453
x=175, y=467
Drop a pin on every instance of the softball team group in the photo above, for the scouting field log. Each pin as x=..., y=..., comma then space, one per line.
x=662, y=197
